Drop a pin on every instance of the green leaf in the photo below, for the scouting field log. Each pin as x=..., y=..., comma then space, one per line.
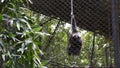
x=21, y=49
x=42, y=33
x=3, y=57
x=25, y=21
x=44, y=63
x=30, y=1
x=18, y=25
x=37, y=29
x=21, y=1
x=0, y=18
x=28, y=41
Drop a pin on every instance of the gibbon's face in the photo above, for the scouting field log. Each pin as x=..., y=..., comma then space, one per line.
x=76, y=38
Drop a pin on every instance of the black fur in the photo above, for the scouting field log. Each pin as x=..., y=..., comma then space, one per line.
x=75, y=44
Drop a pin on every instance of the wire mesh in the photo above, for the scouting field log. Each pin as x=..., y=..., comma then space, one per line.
x=91, y=15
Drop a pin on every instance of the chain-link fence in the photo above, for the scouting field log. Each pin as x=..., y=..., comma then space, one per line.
x=92, y=15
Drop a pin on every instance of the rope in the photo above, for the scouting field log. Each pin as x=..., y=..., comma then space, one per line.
x=72, y=13
x=71, y=7
x=73, y=22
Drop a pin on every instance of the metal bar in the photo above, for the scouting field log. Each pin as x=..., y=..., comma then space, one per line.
x=111, y=53
x=115, y=33
x=92, y=51
x=106, y=53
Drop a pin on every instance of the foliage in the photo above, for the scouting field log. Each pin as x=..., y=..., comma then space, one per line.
x=20, y=37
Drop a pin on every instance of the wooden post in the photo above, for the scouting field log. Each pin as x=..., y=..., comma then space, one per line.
x=115, y=32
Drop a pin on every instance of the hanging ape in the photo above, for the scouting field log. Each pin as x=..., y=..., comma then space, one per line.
x=75, y=42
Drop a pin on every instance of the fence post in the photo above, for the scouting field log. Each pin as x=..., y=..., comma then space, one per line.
x=115, y=32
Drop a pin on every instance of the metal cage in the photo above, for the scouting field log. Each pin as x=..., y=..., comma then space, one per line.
x=101, y=16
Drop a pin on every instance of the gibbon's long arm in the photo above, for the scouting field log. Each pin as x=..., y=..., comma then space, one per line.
x=75, y=42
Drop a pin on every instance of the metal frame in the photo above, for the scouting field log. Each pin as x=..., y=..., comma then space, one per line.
x=115, y=32
x=92, y=51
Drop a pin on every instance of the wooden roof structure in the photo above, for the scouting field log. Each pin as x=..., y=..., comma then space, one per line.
x=92, y=15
